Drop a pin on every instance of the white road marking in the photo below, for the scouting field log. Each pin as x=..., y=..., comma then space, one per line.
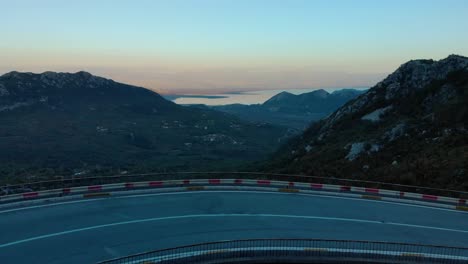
x=228, y=191
x=432, y=227
x=217, y=216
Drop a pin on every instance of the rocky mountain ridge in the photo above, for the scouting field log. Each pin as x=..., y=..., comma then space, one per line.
x=409, y=128
x=291, y=110
x=408, y=78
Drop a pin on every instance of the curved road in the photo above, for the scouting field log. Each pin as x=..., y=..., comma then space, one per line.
x=86, y=231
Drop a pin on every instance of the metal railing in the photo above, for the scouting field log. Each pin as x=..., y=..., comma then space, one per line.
x=300, y=251
x=94, y=180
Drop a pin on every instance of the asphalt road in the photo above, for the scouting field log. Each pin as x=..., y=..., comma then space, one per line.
x=87, y=231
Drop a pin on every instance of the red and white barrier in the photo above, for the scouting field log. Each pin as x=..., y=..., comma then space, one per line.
x=265, y=184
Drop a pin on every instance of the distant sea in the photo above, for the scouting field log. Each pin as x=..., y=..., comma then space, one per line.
x=248, y=97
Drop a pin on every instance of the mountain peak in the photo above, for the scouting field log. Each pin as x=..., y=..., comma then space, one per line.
x=417, y=74
x=320, y=93
x=50, y=74
x=280, y=97
x=410, y=77
x=456, y=57
x=347, y=92
x=15, y=74
x=63, y=89
x=51, y=79
x=84, y=74
x=283, y=94
x=79, y=74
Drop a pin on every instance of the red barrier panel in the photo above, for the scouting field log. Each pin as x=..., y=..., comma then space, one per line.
x=372, y=190
x=155, y=183
x=402, y=194
x=129, y=185
x=345, y=188
x=95, y=188
x=291, y=184
x=461, y=201
x=316, y=185
x=186, y=181
x=66, y=190
x=30, y=195
x=238, y=181
x=214, y=181
x=264, y=182
x=429, y=197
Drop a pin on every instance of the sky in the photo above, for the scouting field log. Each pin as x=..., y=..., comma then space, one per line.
x=215, y=46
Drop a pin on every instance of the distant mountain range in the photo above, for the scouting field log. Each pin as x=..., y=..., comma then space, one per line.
x=62, y=123
x=410, y=129
x=290, y=110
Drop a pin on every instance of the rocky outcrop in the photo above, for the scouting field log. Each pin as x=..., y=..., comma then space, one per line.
x=408, y=78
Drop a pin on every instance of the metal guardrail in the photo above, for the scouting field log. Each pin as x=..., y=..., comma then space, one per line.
x=299, y=251
x=95, y=180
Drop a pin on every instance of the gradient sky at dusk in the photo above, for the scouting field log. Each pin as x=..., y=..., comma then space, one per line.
x=220, y=45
